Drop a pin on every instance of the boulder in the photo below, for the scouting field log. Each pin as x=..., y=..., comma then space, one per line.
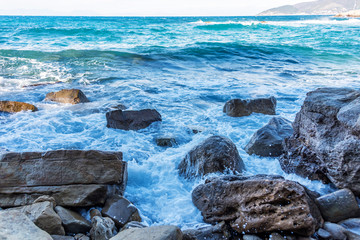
x=218, y=232
x=15, y=225
x=258, y=204
x=13, y=107
x=132, y=120
x=240, y=108
x=337, y=232
x=102, y=228
x=326, y=142
x=215, y=154
x=72, y=96
x=71, y=177
x=339, y=205
x=43, y=215
x=268, y=141
x=165, y=141
x=153, y=233
x=72, y=221
x=120, y=210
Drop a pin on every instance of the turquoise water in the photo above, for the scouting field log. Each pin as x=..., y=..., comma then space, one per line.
x=186, y=68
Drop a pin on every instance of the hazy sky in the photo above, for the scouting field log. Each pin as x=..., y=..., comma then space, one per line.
x=139, y=7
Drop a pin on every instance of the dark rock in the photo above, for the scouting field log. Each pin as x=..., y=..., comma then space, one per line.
x=337, y=232
x=240, y=108
x=121, y=211
x=352, y=227
x=339, y=205
x=73, y=96
x=43, y=215
x=217, y=232
x=215, y=154
x=15, y=225
x=258, y=204
x=268, y=141
x=94, y=212
x=71, y=177
x=102, y=228
x=13, y=107
x=153, y=233
x=276, y=236
x=72, y=221
x=326, y=141
x=81, y=236
x=60, y=237
x=133, y=224
x=165, y=141
x=132, y=120
x=323, y=234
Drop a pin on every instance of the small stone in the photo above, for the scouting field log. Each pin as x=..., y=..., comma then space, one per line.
x=73, y=96
x=165, y=141
x=240, y=108
x=80, y=236
x=337, y=232
x=46, y=198
x=133, y=224
x=94, y=212
x=276, y=236
x=72, y=221
x=102, y=228
x=153, y=233
x=13, y=107
x=219, y=231
x=60, y=237
x=251, y=237
x=352, y=226
x=323, y=234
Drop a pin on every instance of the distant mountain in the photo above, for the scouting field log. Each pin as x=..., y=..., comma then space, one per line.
x=320, y=7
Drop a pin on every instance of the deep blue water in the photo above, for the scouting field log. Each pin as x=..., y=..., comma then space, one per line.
x=186, y=68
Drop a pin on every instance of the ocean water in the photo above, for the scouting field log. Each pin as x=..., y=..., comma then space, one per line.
x=186, y=68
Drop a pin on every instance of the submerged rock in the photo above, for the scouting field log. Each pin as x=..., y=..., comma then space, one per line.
x=268, y=141
x=165, y=141
x=240, y=108
x=258, y=204
x=13, y=107
x=73, y=96
x=102, y=228
x=121, y=211
x=15, y=225
x=153, y=233
x=132, y=120
x=71, y=177
x=326, y=141
x=72, y=221
x=215, y=154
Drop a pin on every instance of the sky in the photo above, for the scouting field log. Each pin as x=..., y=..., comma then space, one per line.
x=139, y=7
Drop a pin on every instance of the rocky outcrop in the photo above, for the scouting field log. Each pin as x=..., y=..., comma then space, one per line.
x=349, y=14
x=72, y=96
x=73, y=222
x=268, y=141
x=153, y=233
x=240, y=108
x=43, y=215
x=71, y=177
x=132, y=120
x=121, y=211
x=215, y=154
x=15, y=225
x=13, y=107
x=326, y=142
x=102, y=228
x=258, y=204
x=338, y=206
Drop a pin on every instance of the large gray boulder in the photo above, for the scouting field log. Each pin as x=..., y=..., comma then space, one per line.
x=73, y=222
x=72, y=177
x=258, y=204
x=215, y=154
x=326, y=140
x=268, y=141
x=153, y=233
x=240, y=108
x=132, y=120
x=15, y=225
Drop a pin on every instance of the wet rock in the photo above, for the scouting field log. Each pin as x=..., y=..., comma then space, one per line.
x=15, y=225
x=13, y=107
x=337, y=232
x=276, y=236
x=153, y=233
x=72, y=221
x=80, y=236
x=43, y=215
x=339, y=205
x=258, y=204
x=326, y=140
x=215, y=154
x=102, y=228
x=251, y=237
x=352, y=227
x=71, y=177
x=323, y=234
x=165, y=141
x=133, y=224
x=46, y=198
x=94, y=212
x=132, y=120
x=217, y=232
x=120, y=210
x=240, y=108
x=72, y=96
x=60, y=237
x=268, y=141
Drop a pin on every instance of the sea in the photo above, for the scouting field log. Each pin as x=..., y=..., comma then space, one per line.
x=184, y=67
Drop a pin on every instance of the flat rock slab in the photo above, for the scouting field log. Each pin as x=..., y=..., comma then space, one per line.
x=153, y=233
x=240, y=108
x=258, y=204
x=72, y=96
x=56, y=173
x=132, y=120
x=13, y=107
x=16, y=225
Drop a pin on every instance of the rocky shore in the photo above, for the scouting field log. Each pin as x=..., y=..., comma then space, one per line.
x=78, y=194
